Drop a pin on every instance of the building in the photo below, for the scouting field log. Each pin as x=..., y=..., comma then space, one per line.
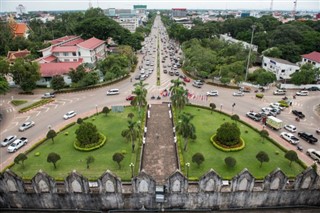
x=313, y=58
x=13, y=55
x=227, y=38
x=18, y=29
x=129, y=19
x=67, y=53
x=21, y=10
x=179, y=12
x=281, y=68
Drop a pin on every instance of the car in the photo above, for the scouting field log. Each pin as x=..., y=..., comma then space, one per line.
x=137, y=77
x=165, y=71
x=196, y=84
x=17, y=144
x=130, y=97
x=200, y=82
x=213, y=93
x=238, y=93
x=142, y=71
x=176, y=73
x=270, y=111
x=26, y=126
x=8, y=140
x=277, y=106
x=307, y=137
x=48, y=95
x=279, y=92
x=299, y=114
x=290, y=128
x=314, y=154
x=186, y=79
x=69, y=114
x=114, y=91
x=314, y=88
x=302, y=93
x=254, y=116
x=289, y=137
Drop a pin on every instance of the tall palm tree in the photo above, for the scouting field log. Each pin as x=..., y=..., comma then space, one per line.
x=179, y=95
x=175, y=85
x=131, y=134
x=185, y=128
x=141, y=93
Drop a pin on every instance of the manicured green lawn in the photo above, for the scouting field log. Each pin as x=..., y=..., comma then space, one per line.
x=111, y=126
x=207, y=124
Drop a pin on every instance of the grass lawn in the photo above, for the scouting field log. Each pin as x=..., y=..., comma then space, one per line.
x=207, y=124
x=111, y=126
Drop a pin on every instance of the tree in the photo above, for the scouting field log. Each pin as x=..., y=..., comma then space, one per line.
x=131, y=134
x=291, y=155
x=105, y=110
x=51, y=134
x=21, y=157
x=57, y=82
x=118, y=157
x=4, y=86
x=77, y=74
x=87, y=134
x=185, y=128
x=235, y=118
x=79, y=121
x=264, y=133
x=141, y=94
x=4, y=66
x=262, y=157
x=230, y=162
x=179, y=95
x=90, y=159
x=130, y=115
x=212, y=106
x=228, y=134
x=198, y=158
x=306, y=75
x=53, y=158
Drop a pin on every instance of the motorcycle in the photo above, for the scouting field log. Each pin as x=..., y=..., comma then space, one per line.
x=318, y=131
x=297, y=119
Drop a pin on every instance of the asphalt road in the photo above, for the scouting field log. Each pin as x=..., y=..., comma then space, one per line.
x=90, y=101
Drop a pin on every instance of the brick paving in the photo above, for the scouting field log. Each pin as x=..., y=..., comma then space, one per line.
x=159, y=156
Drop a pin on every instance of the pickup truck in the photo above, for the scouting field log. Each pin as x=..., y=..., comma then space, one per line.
x=48, y=95
x=17, y=144
x=298, y=113
x=307, y=137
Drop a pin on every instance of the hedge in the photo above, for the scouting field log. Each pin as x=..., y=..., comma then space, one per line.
x=235, y=149
x=100, y=143
x=36, y=104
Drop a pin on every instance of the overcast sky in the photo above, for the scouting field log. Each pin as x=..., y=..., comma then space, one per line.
x=44, y=5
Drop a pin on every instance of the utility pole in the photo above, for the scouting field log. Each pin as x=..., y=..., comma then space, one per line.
x=248, y=62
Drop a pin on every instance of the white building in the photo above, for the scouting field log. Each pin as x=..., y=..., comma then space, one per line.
x=313, y=58
x=246, y=45
x=281, y=68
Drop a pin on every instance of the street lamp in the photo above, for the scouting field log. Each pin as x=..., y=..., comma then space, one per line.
x=188, y=165
x=248, y=62
x=221, y=107
x=97, y=109
x=131, y=166
x=233, y=105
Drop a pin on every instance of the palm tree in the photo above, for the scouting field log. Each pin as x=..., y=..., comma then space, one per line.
x=141, y=93
x=176, y=84
x=131, y=134
x=185, y=128
x=179, y=95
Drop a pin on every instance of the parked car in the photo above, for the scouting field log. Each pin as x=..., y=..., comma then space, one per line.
x=8, y=140
x=290, y=128
x=289, y=137
x=48, y=95
x=307, y=137
x=26, y=126
x=137, y=77
x=186, y=79
x=113, y=91
x=314, y=154
x=196, y=84
x=213, y=93
x=17, y=144
x=302, y=93
x=299, y=114
x=130, y=97
x=200, y=82
x=69, y=115
x=279, y=92
x=238, y=93
x=314, y=89
x=254, y=116
x=277, y=106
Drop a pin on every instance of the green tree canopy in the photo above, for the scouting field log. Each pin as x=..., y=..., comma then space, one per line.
x=228, y=134
x=291, y=155
x=118, y=157
x=230, y=162
x=198, y=158
x=4, y=85
x=20, y=158
x=51, y=135
x=87, y=134
x=306, y=75
x=53, y=158
x=262, y=157
x=185, y=128
x=57, y=82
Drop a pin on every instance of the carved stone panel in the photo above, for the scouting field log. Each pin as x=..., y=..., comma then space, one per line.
x=11, y=186
x=43, y=186
x=275, y=184
x=143, y=186
x=109, y=186
x=76, y=186
x=176, y=186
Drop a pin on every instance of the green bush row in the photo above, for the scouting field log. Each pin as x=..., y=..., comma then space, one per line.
x=18, y=102
x=36, y=104
x=235, y=149
x=100, y=143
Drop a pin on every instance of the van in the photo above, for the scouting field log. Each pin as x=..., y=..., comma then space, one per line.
x=113, y=92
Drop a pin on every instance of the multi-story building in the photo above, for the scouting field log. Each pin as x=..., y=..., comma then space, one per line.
x=280, y=67
x=313, y=58
x=179, y=12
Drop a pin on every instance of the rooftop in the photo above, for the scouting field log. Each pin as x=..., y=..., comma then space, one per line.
x=314, y=56
x=91, y=43
x=52, y=69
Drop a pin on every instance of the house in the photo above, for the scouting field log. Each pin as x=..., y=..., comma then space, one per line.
x=313, y=58
x=67, y=53
x=19, y=29
x=280, y=67
x=13, y=55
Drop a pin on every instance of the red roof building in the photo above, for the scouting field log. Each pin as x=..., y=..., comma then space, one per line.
x=91, y=43
x=53, y=69
x=13, y=55
x=313, y=58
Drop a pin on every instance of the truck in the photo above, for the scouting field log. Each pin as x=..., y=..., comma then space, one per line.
x=274, y=122
x=307, y=137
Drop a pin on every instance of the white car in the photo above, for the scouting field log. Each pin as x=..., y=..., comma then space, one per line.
x=114, y=91
x=26, y=126
x=69, y=115
x=238, y=93
x=17, y=144
x=302, y=93
x=213, y=93
x=289, y=137
x=314, y=154
x=290, y=128
x=8, y=140
x=277, y=106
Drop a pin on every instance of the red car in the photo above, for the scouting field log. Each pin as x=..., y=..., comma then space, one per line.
x=185, y=79
x=130, y=98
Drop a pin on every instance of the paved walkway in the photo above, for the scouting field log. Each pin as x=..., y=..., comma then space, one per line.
x=159, y=157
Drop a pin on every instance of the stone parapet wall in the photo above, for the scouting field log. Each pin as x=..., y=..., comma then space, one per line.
x=210, y=192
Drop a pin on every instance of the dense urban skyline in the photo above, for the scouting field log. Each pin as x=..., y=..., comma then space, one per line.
x=50, y=5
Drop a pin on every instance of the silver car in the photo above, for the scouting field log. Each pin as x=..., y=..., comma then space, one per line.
x=8, y=140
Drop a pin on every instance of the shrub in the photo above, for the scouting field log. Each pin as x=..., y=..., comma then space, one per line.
x=228, y=134
x=90, y=147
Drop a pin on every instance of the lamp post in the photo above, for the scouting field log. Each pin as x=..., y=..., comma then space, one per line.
x=233, y=105
x=221, y=107
x=96, y=109
x=248, y=62
x=187, y=165
x=131, y=166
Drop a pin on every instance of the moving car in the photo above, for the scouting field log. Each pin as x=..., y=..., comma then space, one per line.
x=314, y=154
x=26, y=126
x=298, y=113
x=277, y=106
x=238, y=93
x=290, y=128
x=289, y=137
x=302, y=93
x=307, y=137
x=8, y=140
x=130, y=97
x=254, y=116
x=47, y=95
x=113, y=91
x=213, y=93
x=196, y=84
x=17, y=144
x=314, y=88
x=69, y=115
x=279, y=92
